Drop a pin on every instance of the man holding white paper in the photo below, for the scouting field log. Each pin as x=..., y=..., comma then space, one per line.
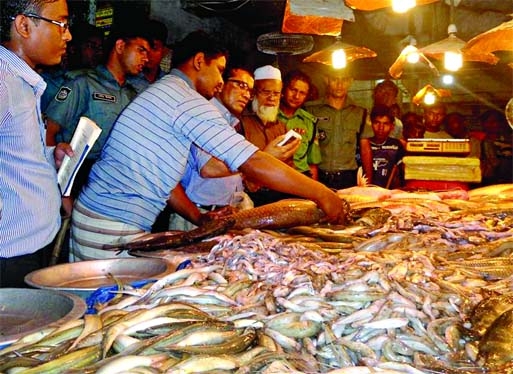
x=86, y=134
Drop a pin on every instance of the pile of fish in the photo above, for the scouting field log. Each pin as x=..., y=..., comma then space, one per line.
x=418, y=283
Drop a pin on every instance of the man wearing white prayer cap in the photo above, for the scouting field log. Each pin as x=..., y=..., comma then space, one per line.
x=261, y=127
x=266, y=101
x=267, y=72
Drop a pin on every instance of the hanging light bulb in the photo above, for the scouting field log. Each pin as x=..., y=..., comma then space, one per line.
x=402, y=6
x=447, y=79
x=338, y=59
x=429, y=95
x=429, y=98
x=412, y=54
x=453, y=58
x=339, y=54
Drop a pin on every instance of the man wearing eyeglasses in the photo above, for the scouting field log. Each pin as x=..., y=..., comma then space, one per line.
x=32, y=33
x=260, y=125
x=85, y=51
x=101, y=93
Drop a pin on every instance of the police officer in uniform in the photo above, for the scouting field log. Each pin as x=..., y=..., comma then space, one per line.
x=101, y=93
x=340, y=122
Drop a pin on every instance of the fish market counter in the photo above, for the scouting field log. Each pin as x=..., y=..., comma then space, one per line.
x=417, y=283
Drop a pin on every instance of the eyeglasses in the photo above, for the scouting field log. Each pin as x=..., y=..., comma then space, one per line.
x=242, y=85
x=63, y=25
x=269, y=93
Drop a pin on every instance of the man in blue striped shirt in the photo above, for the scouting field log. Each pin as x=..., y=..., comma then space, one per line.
x=33, y=32
x=212, y=197
x=146, y=153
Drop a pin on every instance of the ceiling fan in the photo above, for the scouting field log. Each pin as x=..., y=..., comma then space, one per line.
x=277, y=43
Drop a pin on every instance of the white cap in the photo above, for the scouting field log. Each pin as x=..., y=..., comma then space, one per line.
x=267, y=72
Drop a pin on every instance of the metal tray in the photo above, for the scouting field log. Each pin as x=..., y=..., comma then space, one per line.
x=26, y=310
x=82, y=278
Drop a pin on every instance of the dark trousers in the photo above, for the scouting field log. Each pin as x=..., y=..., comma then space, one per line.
x=14, y=269
x=338, y=179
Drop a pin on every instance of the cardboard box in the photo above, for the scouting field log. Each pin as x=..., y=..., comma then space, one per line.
x=434, y=168
x=318, y=17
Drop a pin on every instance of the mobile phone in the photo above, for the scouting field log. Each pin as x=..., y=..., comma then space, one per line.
x=289, y=136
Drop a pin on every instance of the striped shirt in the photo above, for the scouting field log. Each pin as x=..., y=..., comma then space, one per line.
x=145, y=155
x=29, y=194
x=210, y=191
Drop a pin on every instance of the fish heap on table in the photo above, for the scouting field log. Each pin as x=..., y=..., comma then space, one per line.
x=426, y=290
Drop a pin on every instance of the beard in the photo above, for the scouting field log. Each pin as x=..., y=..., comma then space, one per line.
x=265, y=113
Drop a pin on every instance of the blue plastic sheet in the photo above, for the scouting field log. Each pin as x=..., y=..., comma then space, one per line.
x=183, y=265
x=107, y=293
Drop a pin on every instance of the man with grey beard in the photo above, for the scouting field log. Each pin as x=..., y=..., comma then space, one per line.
x=261, y=127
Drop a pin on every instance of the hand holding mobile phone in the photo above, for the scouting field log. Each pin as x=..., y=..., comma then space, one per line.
x=289, y=136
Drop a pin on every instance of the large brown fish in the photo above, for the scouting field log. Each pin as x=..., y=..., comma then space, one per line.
x=280, y=215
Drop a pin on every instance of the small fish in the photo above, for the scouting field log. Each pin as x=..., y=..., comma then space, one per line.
x=92, y=323
x=204, y=363
x=123, y=364
x=172, y=277
x=388, y=323
x=75, y=359
x=220, y=342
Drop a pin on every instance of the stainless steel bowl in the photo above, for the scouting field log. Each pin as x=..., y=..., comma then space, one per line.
x=26, y=310
x=82, y=278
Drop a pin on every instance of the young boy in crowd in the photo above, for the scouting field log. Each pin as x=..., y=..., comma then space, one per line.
x=386, y=151
x=413, y=127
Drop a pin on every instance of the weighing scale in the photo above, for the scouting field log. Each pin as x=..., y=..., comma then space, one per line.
x=439, y=147
x=437, y=164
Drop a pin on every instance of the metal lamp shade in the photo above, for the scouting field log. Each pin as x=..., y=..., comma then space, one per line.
x=499, y=38
x=377, y=4
x=440, y=93
x=352, y=53
x=453, y=43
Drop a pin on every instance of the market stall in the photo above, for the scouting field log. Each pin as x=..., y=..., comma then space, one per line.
x=414, y=283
